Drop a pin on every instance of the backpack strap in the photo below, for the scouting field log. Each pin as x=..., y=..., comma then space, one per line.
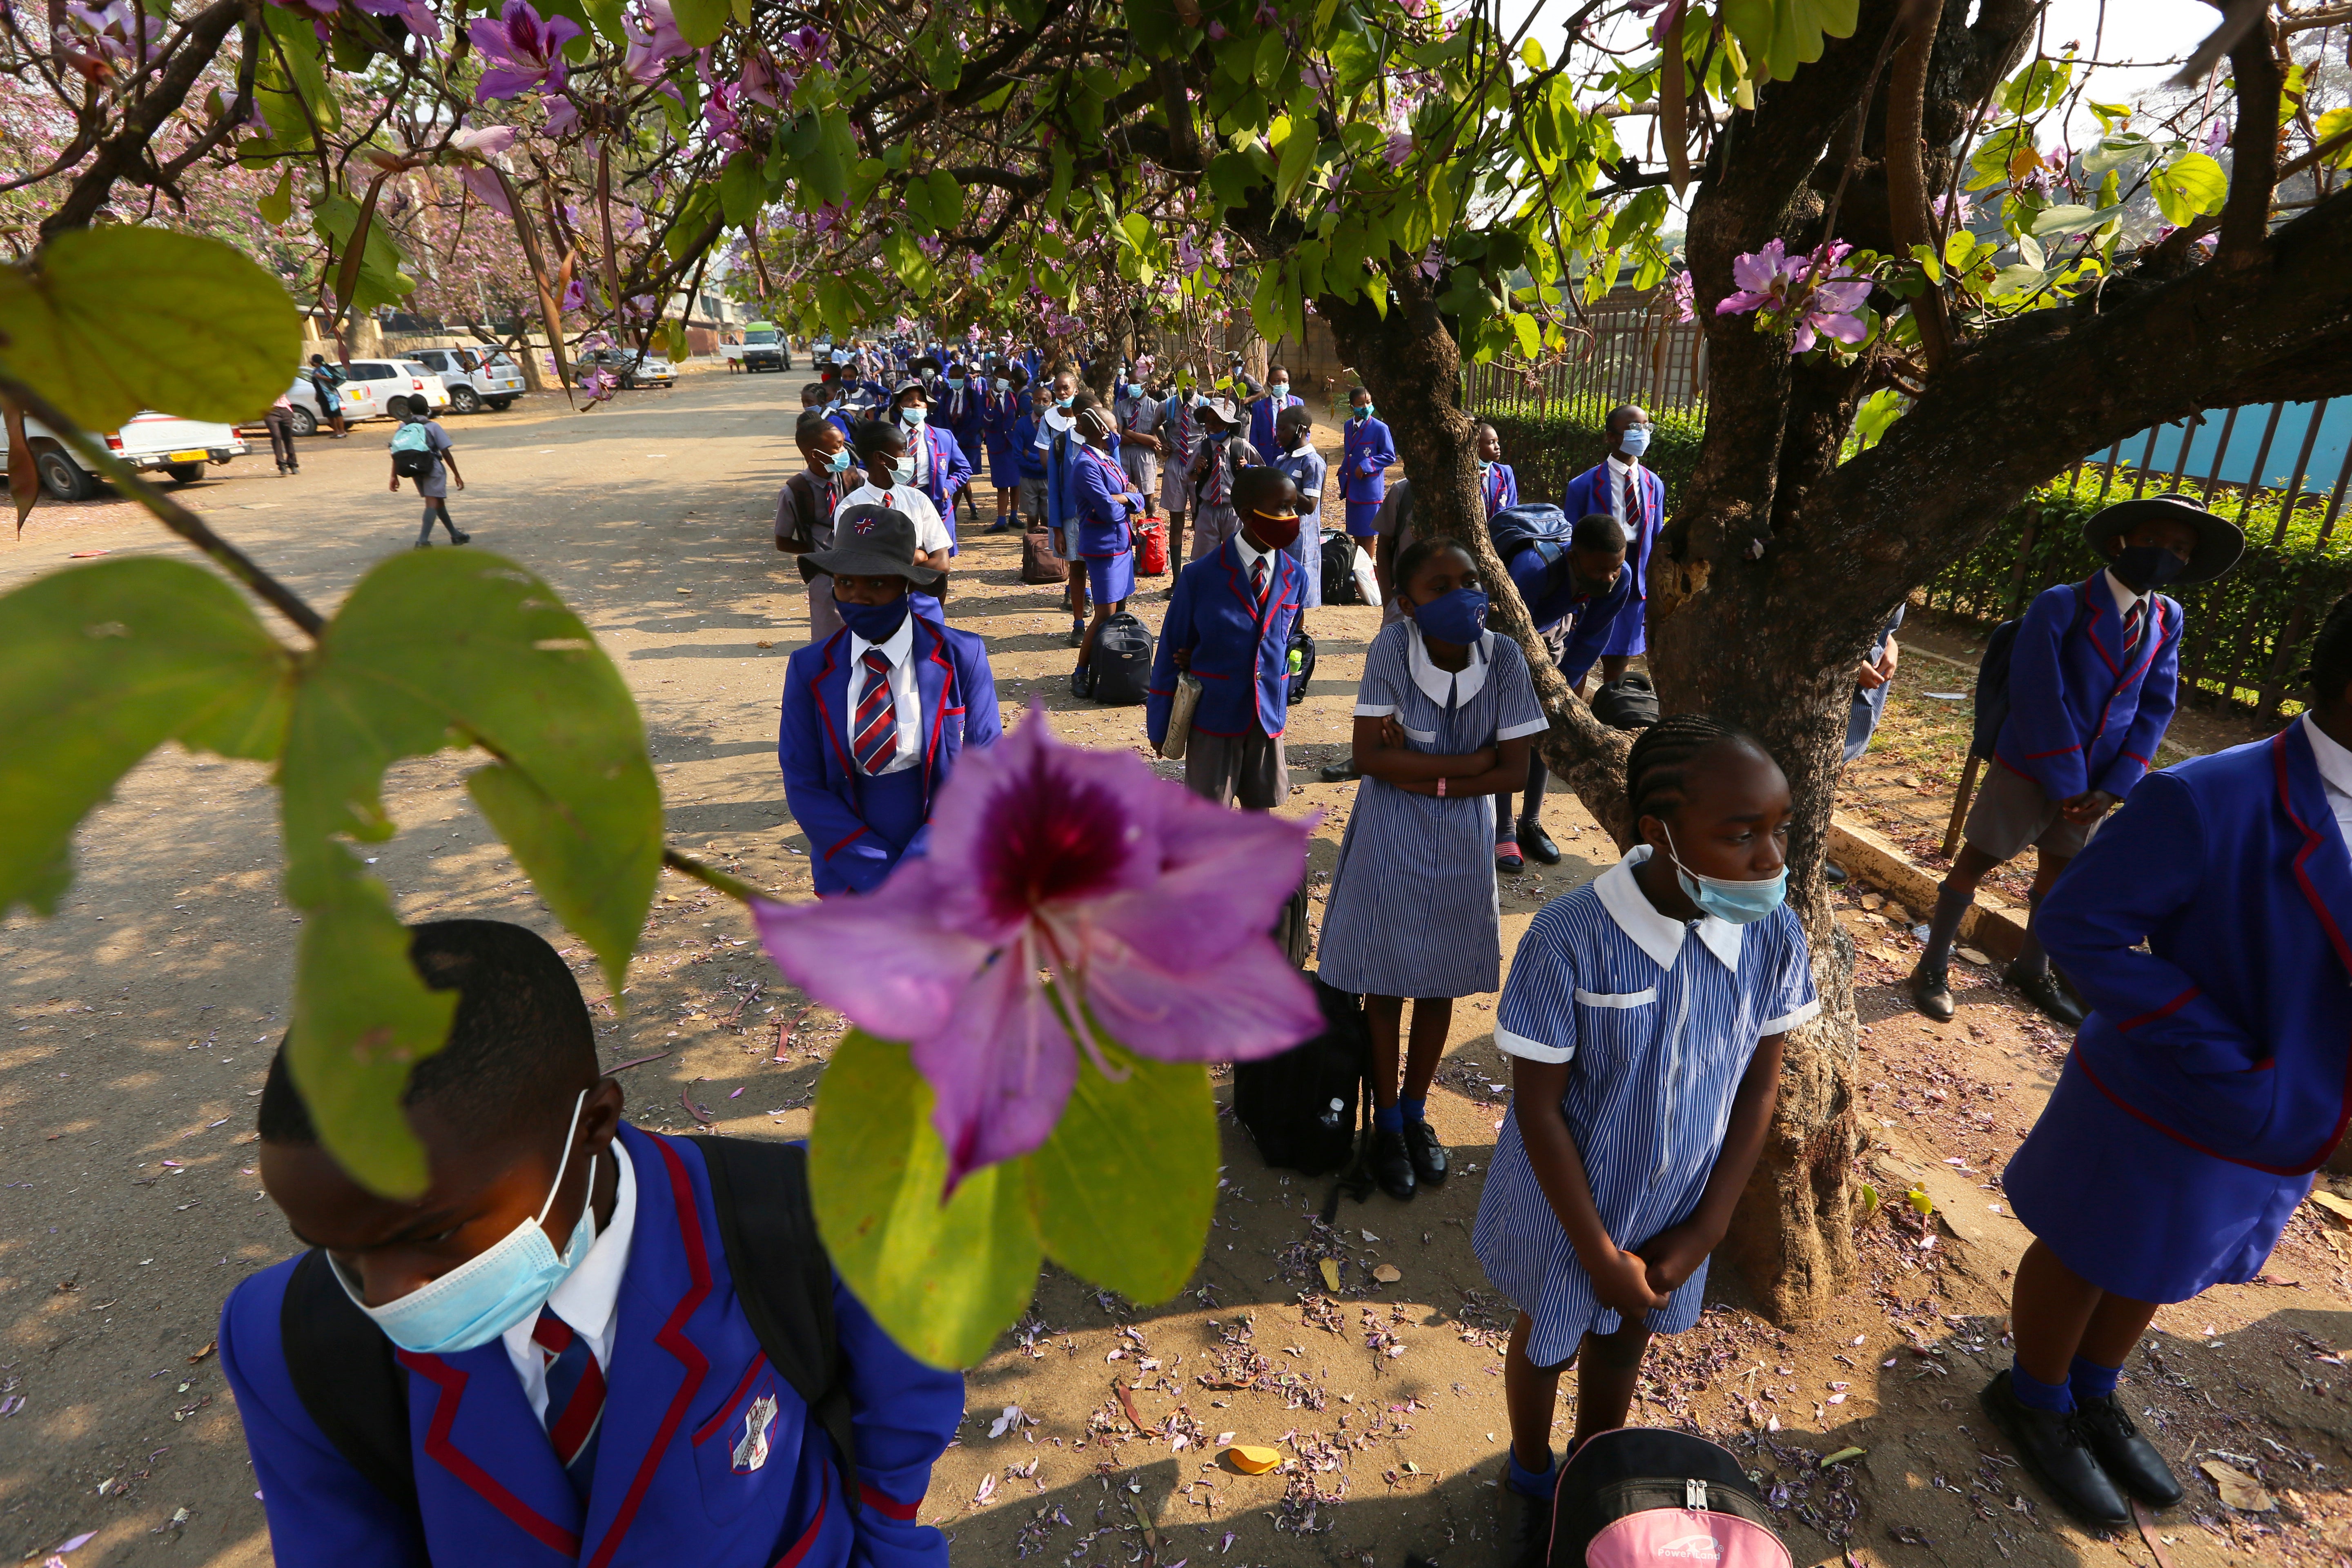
x=343, y=1367
x=783, y=1278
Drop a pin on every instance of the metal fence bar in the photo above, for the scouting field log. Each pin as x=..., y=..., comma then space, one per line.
x=2220, y=453
x=2293, y=494
x=2262, y=452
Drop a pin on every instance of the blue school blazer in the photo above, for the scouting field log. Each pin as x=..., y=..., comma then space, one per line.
x=1501, y=487
x=680, y=1474
x=1263, y=414
x=951, y=470
x=1241, y=650
x=1549, y=587
x=1000, y=415
x=1103, y=510
x=1589, y=493
x=1367, y=454
x=2081, y=716
x=1025, y=446
x=2233, y=1032
x=969, y=423
x=821, y=779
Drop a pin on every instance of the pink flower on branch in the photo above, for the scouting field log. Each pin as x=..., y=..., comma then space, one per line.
x=1062, y=885
x=653, y=41
x=523, y=51
x=1813, y=294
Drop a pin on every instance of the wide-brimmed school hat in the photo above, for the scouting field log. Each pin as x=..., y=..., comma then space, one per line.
x=872, y=541
x=1222, y=410
x=922, y=361
x=2219, y=542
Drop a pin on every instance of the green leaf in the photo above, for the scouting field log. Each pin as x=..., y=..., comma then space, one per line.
x=942, y=1279
x=1925, y=255
x=1524, y=327
x=1297, y=158
x=946, y=198
x=278, y=204
x=2188, y=187
x=2114, y=153
x=699, y=22
x=105, y=663
x=906, y=258
x=742, y=189
x=108, y=322
x=1273, y=54
x=2334, y=123
x=1780, y=35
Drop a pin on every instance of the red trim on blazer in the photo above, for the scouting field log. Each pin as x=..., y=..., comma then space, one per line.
x=451, y=1383
x=884, y=1504
x=733, y=1401
x=2311, y=846
x=800, y=1549
x=672, y=1338
x=2166, y=1011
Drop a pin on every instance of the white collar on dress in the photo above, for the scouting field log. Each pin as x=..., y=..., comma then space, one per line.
x=2335, y=762
x=1652, y=932
x=1442, y=685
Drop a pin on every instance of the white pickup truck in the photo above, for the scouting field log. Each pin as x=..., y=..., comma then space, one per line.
x=179, y=447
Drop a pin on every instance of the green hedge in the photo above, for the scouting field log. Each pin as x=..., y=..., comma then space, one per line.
x=1548, y=449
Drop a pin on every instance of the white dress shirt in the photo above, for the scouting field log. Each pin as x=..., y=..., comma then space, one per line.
x=904, y=701
x=2334, y=776
x=1618, y=469
x=589, y=1299
x=930, y=533
x=1251, y=557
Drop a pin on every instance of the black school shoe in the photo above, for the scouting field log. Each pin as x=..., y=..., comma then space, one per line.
x=1392, y=1164
x=2045, y=992
x=1536, y=842
x=1429, y=1155
x=1525, y=1538
x=1082, y=681
x=1930, y=990
x=2130, y=1460
x=1335, y=773
x=2056, y=1452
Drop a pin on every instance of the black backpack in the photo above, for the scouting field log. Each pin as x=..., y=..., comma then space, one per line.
x=1302, y=659
x=1300, y=1107
x=1628, y=703
x=1122, y=661
x=343, y=1366
x=412, y=465
x=1637, y=1494
x=1992, y=681
x=1339, y=569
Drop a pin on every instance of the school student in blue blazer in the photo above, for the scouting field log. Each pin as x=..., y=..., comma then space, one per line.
x=876, y=716
x=1103, y=505
x=1001, y=412
x=1365, y=455
x=2094, y=678
x=1265, y=412
x=1620, y=486
x=2209, y=927
x=1574, y=597
x=941, y=470
x=580, y=1382
x=1228, y=625
x=1498, y=483
x=963, y=414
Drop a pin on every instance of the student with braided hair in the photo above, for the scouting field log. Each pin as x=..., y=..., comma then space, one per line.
x=1646, y=1011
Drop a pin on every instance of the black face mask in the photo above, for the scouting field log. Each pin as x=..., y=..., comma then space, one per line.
x=2147, y=567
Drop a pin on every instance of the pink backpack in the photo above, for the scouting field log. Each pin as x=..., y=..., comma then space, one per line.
x=1641, y=1497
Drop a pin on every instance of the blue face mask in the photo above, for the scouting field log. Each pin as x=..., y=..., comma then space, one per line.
x=874, y=622
x=1459, y=616
x=1215, y=435
x=1635, y=441
x=1064, y=402
x=838, y=462
x=492, y=1291
x=914, y=414
x=956, y=383
x=1735, y=903
x=1134, y=389
x=903, y=471
x=1364, y=411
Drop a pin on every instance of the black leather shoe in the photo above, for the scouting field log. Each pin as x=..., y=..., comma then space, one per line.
x=463, y=539
x=1526, y=1538
x=2130, y=1460
x=1338, y=773
x=1931, y=993
x=1392, y=1164
x=1082, y=681
x=1429, y=1155
x=1832, y=873
x=1536, y=842
x=2054, y=1451
x=1078, y=632
x=2044, y=991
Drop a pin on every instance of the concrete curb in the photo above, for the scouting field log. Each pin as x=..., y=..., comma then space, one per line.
x=1869, y=855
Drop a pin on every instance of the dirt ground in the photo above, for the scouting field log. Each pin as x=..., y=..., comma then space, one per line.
x=143, y=1015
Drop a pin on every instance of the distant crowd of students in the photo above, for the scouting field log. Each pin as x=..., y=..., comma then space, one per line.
x=554, y=1322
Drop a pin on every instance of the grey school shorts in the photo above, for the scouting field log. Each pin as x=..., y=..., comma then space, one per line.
x=2011, y=812
x=1032, y=500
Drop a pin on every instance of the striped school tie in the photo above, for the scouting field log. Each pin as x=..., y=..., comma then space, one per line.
x=1258, y=580
x=575, y=1397
x=2134, y=621
x=874, y=731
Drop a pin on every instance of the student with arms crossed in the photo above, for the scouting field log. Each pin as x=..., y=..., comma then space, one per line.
x=1228, y=625
x=557, y=1333
x=2209, y=927
x=1646, y=1012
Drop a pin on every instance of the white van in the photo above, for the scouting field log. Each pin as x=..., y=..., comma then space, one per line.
x=147, y=442
x=477, y=378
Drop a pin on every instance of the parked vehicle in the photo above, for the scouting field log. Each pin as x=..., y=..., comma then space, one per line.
x=477, y=378
x=377, y=389
x=634, y=369
x=764, y=347
x=147, y=442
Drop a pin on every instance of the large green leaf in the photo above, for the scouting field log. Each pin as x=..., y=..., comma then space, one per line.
x=105, y=663
x=942, y=1279
x=742, y=189
x=1781, y=35
x=433, y=651
x=2188, y=187
x=699, y=22
x=107, y=322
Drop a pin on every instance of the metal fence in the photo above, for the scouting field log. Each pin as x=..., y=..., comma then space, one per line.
x=1627, y=348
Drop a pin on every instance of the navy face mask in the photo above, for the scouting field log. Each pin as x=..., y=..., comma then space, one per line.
x=2147, y=567
x=1458, y=617
x=874, y=622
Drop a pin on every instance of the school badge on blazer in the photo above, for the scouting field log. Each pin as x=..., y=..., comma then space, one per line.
x=751, y=1448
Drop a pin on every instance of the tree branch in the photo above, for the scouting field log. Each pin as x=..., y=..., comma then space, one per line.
x=2253, y=145
x=1907, y=176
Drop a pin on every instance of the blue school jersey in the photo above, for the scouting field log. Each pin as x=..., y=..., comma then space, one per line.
x=1658, y=1030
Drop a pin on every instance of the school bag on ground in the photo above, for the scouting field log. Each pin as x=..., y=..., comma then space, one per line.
x=1040, y=561
x=1339, y=569
x=1152, y=548
x=1300, y=1107
x=1121, y=662
x=1302, y=664
x=343, y=1367
x=1628, y=703
x=411, y=452
x=1639, y=1496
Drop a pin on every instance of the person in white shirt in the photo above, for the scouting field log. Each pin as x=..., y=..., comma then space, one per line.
x=891, y=482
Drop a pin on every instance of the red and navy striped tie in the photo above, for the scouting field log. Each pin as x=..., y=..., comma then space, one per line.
x=575, y=1397
x=874, y=730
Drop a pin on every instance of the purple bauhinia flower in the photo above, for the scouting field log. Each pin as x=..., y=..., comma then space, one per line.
x=1761, y=278
x=576, y=295
x=1685, y=304
x=2216, y=137
x=1399, y=148
x=653, y=41
x=1061, y=884
x=415, y=15
x=487, y=187
x=563, y=114
x=523, y=51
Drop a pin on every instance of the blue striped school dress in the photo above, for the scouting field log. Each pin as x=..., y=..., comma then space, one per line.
x=1412, y=909
x=1660, y=1030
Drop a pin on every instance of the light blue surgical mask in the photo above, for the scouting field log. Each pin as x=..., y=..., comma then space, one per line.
x=1635, y=441
x=838, y=462
x=956, y=382
x=1735, y=903
x=915, y=414
x=1134, y=389
x=1064, y=402
x=903, y=471
x=492, y=1291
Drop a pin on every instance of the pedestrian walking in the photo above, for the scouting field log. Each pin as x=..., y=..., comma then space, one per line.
x=280, y=420
x=422, y=451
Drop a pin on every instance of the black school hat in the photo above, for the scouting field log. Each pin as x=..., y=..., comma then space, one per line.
x=2219, y=542
x=872, y=541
